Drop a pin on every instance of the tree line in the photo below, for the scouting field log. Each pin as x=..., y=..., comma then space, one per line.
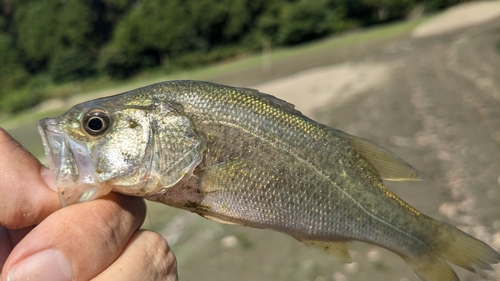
x=59, y=41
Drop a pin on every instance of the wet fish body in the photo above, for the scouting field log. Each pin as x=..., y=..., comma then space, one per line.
x=239, y=156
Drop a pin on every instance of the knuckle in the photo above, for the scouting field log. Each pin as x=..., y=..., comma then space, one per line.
x=4, y=135
x=158, y=246
x=162, y=259
x=9, y=147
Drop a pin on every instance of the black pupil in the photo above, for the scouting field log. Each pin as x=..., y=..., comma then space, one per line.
x=95, y=124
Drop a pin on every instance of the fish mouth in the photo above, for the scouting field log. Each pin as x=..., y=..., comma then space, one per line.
x=70, y=164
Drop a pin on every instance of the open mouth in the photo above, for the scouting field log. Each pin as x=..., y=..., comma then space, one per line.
x=70, y=163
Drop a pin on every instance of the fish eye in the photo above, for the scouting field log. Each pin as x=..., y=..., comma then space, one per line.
x=96, y=122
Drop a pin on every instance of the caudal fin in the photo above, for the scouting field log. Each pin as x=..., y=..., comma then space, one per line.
x=456, y=247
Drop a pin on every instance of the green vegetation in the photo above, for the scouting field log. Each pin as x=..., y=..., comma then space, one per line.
x=250, y=63
x=45, y=43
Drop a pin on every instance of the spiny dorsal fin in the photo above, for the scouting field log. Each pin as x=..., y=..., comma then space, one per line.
x=388, y=165
x=288, y=107
x=336, y=249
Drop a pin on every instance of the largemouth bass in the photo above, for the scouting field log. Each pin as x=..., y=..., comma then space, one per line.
x=239, y=156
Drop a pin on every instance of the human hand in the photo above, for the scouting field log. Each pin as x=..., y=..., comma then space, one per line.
x=97, y=240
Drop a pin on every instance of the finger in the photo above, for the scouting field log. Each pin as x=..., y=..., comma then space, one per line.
x=147, y=256
x=25, y=198
x=9, y=239
x=77, y=242
x=5, y=245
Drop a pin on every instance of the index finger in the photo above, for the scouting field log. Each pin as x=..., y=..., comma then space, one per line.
x=25, y=198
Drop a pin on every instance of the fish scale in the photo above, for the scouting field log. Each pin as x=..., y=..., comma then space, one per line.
x=298, y=192
x=239, y=156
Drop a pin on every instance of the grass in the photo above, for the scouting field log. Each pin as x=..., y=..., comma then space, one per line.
x=379, y=33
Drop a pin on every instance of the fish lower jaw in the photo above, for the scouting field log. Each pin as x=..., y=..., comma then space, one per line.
x=81, y=192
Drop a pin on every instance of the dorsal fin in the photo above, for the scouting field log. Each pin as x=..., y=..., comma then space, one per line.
x=388, y=165
x=288, y=107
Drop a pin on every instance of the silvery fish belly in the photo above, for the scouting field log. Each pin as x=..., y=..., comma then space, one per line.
x=239, y=156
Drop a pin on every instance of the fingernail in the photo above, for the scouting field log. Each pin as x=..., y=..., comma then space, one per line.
x=48, y=177
x=44, y=265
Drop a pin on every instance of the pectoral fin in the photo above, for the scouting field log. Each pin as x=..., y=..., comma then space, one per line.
x=388, y=165
x=209, y=217
x=219, y=177
x=336, y=249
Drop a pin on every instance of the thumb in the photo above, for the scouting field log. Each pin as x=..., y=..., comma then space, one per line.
x=25, y=198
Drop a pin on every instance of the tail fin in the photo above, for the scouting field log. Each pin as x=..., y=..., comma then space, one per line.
x=454, y=246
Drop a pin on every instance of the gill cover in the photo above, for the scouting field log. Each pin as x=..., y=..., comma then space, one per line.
x=178, y=149
x=160, y=145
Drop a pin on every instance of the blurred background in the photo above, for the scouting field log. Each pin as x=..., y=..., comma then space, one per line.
x=417, y=77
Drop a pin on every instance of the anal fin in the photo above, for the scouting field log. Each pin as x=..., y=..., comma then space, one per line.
x=337, y=249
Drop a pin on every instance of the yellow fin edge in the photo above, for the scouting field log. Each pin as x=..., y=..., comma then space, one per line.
x=337, y=249
x=388, y=165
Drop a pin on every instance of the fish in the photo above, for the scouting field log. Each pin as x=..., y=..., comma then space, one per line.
x=239, y=156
